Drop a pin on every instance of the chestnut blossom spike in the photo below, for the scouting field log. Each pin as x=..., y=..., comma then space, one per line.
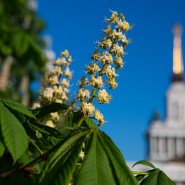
x=56, y=86
x=106, y=59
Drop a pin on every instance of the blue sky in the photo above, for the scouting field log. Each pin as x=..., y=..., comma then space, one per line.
x=77, y=25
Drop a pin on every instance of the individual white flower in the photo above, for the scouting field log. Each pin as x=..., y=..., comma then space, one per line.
x=58, y=90
x=81, y=155
x=35, y=105
x=105, y=43
x=64, y=53
x=96, y=55
x=61, y=62
x=123, y=25
x=99, y=117
x=48, y=93
x=69, y=60
x=50, y=123
x=82, y=94
x=66, y=90
x=118, y=50
x=57, y=70
x=96, y=82
x=106, y=58
x=68, y=73
x=112, y=83
x=64, y=97
x=53, y=79
x=103, y=97
x=65, y=83
x=113, y=18
x=84, y=81
x=87, y=108
x=119, y=63
x=59, y=101
x=124, y=41
x=54, y=116
x=116, y=35
x=110, y=71
x=93, y=68
x=107, y=30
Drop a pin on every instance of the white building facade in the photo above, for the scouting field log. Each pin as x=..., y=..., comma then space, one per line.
x=167, y=138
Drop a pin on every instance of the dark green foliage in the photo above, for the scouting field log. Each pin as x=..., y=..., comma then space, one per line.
x=53, y=155
x=154, y=176
x=53, y=107
x=12, y=133
x=157, y=177
x=102, y=165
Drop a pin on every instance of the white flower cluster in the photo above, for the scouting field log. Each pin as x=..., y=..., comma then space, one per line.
x=106, y=59
x=56, y=86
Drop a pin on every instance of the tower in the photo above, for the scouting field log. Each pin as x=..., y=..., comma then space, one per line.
x=167, y=138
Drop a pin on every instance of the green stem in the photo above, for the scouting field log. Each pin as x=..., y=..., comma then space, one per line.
x=140, y=173
x=80, y=122
x=92, y=94
x=39, y=150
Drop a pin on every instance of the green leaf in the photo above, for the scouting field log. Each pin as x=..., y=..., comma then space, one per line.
x=90, y=123
x=17, y=107
x=95, y=169
x=120, y=170
x=12, y=132
x=103, y=162
x=145, y=163
x=1, y=149
x=60, y=167
x=157, y=177
x=53, y=107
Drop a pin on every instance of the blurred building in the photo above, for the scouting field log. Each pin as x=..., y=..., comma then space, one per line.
x=167, y=138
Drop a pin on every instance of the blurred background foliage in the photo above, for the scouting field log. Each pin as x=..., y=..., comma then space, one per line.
x=22, y=57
